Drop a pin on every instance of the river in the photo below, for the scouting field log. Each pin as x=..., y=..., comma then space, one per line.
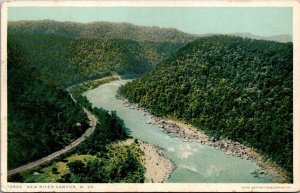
x=194, y=161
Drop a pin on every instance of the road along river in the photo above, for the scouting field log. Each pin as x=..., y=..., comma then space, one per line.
x=195, y=162
x=92, y=121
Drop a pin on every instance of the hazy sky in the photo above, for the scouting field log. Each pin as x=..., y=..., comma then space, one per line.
x=258, y=21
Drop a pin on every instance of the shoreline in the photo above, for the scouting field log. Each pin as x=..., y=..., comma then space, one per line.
x=158, y=167
x=229, y=147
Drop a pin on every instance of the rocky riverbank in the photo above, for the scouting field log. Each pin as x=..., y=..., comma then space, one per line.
x=158, y=167
x=190, y=133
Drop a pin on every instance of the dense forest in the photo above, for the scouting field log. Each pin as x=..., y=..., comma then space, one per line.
x=42, y=117
x=115, y=163
x=66, y=61
x=101, y=158
x=68, y=53
x=230, y=87
x=64, y=56
x=45, y=57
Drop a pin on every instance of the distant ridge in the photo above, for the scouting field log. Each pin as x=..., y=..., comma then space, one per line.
x=101, y=29
x=283, y=38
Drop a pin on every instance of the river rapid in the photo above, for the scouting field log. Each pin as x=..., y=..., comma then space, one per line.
x=194, y=161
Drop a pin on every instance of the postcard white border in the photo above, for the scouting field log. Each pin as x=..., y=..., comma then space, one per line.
x=157, y=187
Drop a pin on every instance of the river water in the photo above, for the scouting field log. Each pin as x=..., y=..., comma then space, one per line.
x=194, y=162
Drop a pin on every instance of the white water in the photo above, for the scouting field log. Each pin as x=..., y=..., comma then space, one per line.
x=194, y=162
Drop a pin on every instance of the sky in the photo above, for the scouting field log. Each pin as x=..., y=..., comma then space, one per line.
x=195, y=20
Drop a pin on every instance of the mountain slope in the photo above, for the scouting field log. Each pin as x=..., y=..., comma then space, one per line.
x=66, y=57
x=44, y=57
x=42, y=118
x=228, y=87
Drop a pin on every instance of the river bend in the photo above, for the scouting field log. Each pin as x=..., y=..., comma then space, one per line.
x=194, y=161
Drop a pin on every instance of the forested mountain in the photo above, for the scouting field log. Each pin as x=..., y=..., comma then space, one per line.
x=103, y=157
x=116, y=163
x=66, y=59
x=229, y=87
x=67, y=52
x=46, y=57
x=42, y=117
x=95, y=30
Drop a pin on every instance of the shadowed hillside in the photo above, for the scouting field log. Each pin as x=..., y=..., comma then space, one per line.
x=42, y=118
x=69, y=53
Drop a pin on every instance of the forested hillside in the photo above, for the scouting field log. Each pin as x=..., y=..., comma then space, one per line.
x=45, y=57
x=228, y=87
x=104, y=157
x=115, y=163
x=67, y=53
x=95, y=30
x=66, y=60
x=42, y=117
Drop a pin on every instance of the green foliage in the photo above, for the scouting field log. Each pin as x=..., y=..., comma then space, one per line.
x=52, y=171
x=227, y=86
x=42, y=117
x=116, y=163
x=109, y=129
x=66, y=59
x=119, y=164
